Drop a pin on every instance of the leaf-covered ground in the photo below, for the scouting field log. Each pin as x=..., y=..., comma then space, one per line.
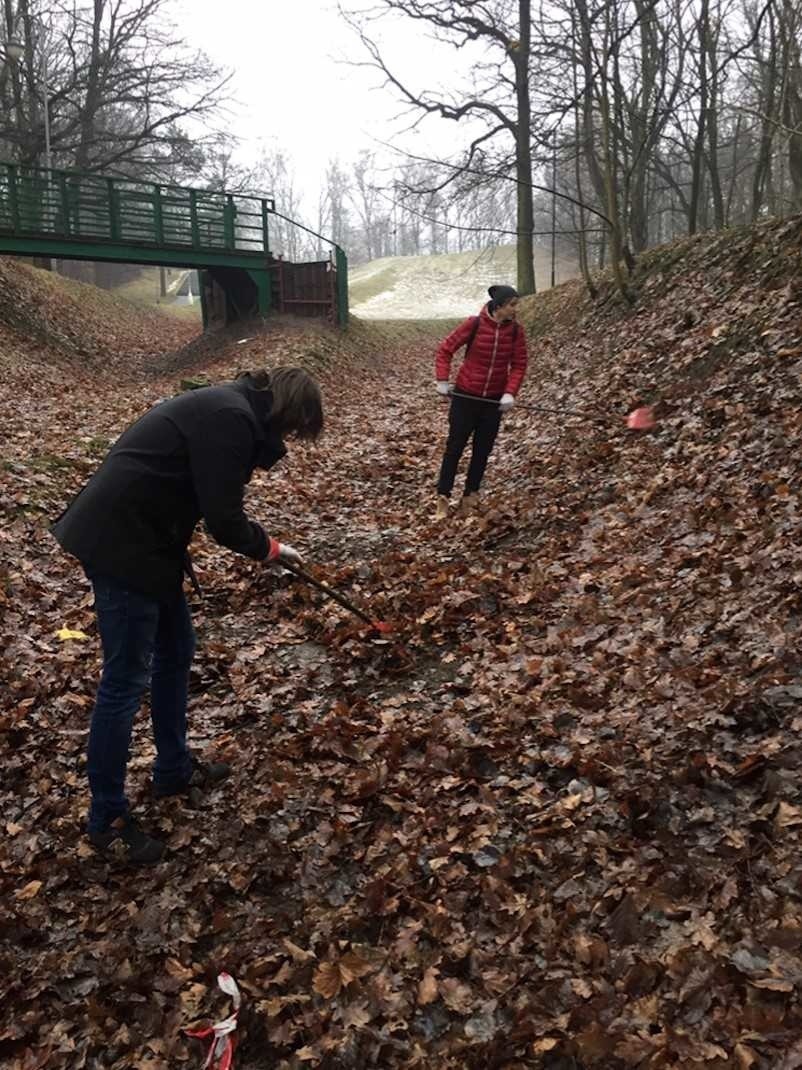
x=553, y=821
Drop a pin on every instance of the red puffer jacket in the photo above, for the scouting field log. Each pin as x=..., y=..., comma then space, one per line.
x=496, y=362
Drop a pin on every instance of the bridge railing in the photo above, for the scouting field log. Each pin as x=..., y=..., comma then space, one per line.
x=79, y=207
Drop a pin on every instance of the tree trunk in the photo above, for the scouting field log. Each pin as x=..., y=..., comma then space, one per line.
x=580, y=197
x=611, y=185
x=762, y=173
x=794, y=109
x=604, y=177
x=697, y=160
x=92, y=99
x=12, y=71
x=710, y=43
x=736, y=144
x=639, y=123
x=792, y=101
x=585, y=45
x=611, y=157
x=525, y=253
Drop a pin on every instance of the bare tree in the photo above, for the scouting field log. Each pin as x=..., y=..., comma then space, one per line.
x=500, y=100
x=126, y=95
x=274, y=174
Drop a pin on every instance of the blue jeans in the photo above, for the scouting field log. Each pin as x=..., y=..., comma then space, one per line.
x=145, y=642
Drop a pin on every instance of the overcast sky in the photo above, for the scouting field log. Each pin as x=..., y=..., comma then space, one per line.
x=296, y=89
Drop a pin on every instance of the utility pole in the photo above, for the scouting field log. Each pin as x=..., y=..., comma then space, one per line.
x=46, y=89
x=395, y=218
x=553, y=214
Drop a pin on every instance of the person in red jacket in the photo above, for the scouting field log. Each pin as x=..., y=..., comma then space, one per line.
x=492, y=372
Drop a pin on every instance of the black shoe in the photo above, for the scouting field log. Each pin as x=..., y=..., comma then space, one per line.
x=140, y=848
x=204, y=777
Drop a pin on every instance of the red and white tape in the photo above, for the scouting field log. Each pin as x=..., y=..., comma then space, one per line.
x=221, y=1051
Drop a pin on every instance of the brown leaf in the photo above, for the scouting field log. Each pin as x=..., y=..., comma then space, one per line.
x=352, y=966
x=328, y=980
x=309, y=1053
x=298, y=953
x=175, y=969
x=595, y=1042
x=582, y=987
x=428, y=989
x=772, y=984
x=745, y=1056
x=456, y=995
x=624, y=922
x=193, y=1000
x=633, y=1050
x=356, y=1015
x=539, y=1047
x=591, y=950
x=788, y=816
x=29, y=891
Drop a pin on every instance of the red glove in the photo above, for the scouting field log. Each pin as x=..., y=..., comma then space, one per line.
x=281, y=551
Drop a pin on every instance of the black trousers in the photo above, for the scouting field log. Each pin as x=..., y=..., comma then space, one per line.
x=468, y=418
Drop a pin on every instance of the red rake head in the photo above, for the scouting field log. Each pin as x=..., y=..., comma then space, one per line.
x=383, y=627
x=641, y=419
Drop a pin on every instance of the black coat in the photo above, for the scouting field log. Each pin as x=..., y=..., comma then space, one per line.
x=186, y=459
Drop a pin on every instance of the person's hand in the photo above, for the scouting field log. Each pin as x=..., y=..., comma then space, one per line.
x=506, y=403
x=289, y=553
x=443, y=388
x=281, y=552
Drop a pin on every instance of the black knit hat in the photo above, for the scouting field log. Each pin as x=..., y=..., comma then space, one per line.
x=500, y=295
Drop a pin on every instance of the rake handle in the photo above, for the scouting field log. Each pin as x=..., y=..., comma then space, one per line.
x=539, y=408
x=329, y=591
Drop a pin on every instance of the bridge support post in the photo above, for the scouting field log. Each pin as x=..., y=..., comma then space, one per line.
x=341, y=265
x=261, y=280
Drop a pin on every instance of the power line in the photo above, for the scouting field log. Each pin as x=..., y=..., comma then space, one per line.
x=483, y=230
x=461, y=169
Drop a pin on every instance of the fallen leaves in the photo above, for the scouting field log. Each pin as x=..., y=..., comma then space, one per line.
x=553, y=819
x=65, y=634
x=428, y=989
x=31, y=889
x=331, y=977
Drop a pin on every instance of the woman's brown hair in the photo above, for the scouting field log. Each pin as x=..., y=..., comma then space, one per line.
x=297, y=404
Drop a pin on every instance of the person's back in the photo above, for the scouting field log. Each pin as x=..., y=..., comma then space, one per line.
x=135, y=517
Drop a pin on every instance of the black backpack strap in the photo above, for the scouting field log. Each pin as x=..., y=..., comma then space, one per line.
x=472, y=336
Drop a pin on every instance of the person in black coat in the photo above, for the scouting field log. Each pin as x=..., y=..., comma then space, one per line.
x=186, y=459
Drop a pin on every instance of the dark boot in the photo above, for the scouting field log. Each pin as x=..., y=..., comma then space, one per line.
x=139, y=848
x=204, y=777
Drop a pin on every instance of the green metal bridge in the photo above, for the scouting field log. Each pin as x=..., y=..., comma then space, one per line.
x=73, y=216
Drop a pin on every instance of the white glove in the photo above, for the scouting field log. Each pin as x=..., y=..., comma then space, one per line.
x=443, y=388
x=280, y=551
x=288, y=553
x=506, y=403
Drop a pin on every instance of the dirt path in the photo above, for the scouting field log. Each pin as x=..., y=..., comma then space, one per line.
x=287, y=686
x=528, y=830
